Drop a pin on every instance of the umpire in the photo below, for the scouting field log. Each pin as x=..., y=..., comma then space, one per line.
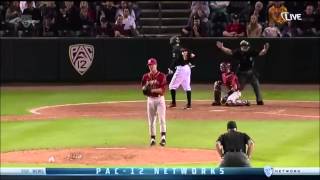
x=246, y=74
x=234, y=147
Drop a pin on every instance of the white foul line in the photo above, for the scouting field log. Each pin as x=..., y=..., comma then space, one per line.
x=35, y=110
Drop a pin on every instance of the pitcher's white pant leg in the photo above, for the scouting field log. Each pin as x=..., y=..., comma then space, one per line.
x=187, y=79
x=161, y=109
x=176, y=79
x=234, y=96
x=151, y=110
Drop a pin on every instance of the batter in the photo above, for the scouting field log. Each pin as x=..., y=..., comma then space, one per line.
x=182, y=63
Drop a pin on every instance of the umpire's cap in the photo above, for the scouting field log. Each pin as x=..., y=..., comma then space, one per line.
x=231, y=125
x=244, y=43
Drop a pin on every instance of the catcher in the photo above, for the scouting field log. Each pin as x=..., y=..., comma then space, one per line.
x=153, y=86
x=230, y=81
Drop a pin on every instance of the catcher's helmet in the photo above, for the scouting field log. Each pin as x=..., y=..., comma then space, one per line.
x=174, y=40
x=224, y=66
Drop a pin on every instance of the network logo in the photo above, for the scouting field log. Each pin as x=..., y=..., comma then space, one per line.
x=268, y=171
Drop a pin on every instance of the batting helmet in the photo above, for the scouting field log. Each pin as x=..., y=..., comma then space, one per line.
x=174, y=40
x=224, y=66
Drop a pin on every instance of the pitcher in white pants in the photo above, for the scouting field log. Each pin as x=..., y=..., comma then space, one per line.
x=156, y=106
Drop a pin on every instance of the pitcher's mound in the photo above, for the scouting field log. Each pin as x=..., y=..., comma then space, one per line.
x=113, y=156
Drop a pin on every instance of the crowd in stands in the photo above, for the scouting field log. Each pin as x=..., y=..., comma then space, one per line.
x=69, y=18
x=253, y=19
x=120, y=18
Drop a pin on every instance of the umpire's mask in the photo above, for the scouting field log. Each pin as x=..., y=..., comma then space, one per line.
x=244, y=46
x=174, y=40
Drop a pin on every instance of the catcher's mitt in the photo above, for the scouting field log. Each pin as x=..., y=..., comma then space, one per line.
x=146, y=90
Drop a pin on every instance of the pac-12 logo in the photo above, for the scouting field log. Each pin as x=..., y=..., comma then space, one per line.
x=290, y=17
x=81, y=57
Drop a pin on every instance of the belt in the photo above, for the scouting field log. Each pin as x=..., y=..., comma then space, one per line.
x=155, y=96
x=235, y=150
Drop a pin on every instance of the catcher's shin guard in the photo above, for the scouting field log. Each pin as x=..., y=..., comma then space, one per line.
x=217, y=92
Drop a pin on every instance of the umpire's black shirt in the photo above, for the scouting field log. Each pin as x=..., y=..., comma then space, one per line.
x=234, y=141
x=245, y=59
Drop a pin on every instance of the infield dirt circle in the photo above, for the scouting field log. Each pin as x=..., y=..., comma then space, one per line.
x=272, y=110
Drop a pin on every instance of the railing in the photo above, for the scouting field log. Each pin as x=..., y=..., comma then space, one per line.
x=160, y=17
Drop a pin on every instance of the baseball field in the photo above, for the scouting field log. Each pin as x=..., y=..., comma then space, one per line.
x=106, y=125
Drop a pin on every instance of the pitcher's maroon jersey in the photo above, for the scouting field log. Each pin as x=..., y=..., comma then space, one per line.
x=157, y=80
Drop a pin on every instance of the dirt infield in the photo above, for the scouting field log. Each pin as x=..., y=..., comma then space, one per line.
x=113, y=156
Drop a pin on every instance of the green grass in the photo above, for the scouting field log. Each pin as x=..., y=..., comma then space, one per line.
x=17, y=102
x=278, y=143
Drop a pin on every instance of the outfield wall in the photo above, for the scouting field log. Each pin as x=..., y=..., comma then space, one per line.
x=290, y=60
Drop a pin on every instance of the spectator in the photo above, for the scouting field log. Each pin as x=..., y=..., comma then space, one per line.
x=201, y=15
x=124, y=4
x=34, y=12
x=275, y=13
x=24, y=4
x=289, y=30
x=254, y=29
x=307, y=27
x=235, y=29
x=196, y=29
x=84, y=6
x=119, y=27
x=31, y=26
x=200, y=5
x=137, y=11
x=13, y=16
x=62, y=21
x=105, y=28
x=241, y=8
x=219, y=8
x=129, y=23
x=98, y=14
x=86, y=20
x=294, y=7
x=109, y=11
x=271, y=31
x=219, y=17
x=68, y=19
x=3, y=8
x=260, y=12
x=318, y=18
x=49, y=14
x=73, y=18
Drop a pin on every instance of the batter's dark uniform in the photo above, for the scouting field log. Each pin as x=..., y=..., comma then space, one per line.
x=245, y=71
x=182, y=75
x=234, y=148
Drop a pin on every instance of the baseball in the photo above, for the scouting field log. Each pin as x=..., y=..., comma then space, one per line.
x=51, y=159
